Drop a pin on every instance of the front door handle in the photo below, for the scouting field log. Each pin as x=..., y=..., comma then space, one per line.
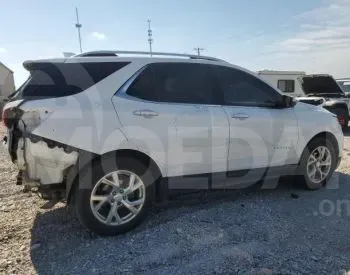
x=145, y=113
x=240, y=116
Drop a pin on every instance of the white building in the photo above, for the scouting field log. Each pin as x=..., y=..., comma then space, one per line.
x=7, y=83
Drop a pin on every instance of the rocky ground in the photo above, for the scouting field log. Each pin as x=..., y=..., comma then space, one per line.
x=282, y=231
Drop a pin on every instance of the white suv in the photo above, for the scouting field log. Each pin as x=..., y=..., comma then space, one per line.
x=113, y=134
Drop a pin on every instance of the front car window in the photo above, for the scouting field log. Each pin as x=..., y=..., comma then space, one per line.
x=242, y=89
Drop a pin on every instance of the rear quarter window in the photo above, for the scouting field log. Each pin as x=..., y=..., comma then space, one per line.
x=49, y=80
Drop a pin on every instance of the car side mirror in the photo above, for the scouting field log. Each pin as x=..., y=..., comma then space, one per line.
x=288, y=101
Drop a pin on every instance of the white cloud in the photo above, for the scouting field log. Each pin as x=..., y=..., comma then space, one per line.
x=307, y=26
x=98, y=36
x=322, y=41
x=3, y=50
x=322, y=27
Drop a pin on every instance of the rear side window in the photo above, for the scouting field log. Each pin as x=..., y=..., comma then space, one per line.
x=65, y=79
x=175, y=82
x=242, y=89
x=143, y=86
x=286, y=86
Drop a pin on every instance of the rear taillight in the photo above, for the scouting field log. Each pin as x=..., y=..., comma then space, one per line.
x=7, y=117
x=3, y=117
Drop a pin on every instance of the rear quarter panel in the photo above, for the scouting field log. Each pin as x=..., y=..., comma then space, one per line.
x=87, y=120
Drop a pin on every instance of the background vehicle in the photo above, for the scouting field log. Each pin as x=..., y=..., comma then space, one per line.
x=111, y=134
x=345, y=85
x=320, y=90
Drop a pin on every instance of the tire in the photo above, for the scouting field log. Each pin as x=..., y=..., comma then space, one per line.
x=343, y=117
x=90, y=182
x=306, y=180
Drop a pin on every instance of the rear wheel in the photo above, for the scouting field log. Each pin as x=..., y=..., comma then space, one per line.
x=317, y=164
x=117, y=198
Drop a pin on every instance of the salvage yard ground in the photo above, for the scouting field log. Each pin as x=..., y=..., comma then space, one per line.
x=283, y=231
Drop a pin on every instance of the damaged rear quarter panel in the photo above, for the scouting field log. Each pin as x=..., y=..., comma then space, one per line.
x=43, y=164
x=84, y=121
x=55, y=130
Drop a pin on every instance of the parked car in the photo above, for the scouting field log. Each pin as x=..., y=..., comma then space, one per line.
x=112, y=134
x=345, y=85
x=321, y=90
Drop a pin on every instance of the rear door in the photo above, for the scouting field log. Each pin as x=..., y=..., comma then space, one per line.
x=261, y=134
x=170, y=112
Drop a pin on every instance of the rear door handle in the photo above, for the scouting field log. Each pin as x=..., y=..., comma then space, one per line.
x=145, y=113
x=240, y=116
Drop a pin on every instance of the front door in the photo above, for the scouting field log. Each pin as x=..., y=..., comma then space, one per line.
x=262, y=134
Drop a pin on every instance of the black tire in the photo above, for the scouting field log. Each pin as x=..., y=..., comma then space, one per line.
x=303, y=176
x=343, y=117
x=89, y=178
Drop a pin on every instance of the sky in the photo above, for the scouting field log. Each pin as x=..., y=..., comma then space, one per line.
x=311, y=36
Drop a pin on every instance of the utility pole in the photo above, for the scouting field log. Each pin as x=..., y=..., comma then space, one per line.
x=78, y=26
x=150, y=39
x=198, y=50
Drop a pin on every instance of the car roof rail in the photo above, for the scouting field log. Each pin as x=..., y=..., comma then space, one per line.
x=115, y=53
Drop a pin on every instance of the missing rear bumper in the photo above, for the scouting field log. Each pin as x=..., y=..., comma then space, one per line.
x=51, y=192
x=42, y=164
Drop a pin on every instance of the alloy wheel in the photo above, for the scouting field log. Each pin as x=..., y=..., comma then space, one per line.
x=118, y=197
x=319, y=164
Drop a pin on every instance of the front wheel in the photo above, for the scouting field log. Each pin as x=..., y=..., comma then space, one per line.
x=114, y=195
x=318, y=163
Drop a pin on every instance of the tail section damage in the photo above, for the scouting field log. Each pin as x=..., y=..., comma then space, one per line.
x=41, y=162
x=44, y=164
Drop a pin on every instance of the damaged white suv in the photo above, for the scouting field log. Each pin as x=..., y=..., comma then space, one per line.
x=113, y=134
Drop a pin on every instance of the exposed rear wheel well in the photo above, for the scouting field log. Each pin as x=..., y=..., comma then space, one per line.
x=145, y=159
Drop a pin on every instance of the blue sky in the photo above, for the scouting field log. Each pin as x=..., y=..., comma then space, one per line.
x=283, y=35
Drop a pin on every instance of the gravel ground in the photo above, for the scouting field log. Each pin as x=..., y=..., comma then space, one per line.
x=282, y=231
